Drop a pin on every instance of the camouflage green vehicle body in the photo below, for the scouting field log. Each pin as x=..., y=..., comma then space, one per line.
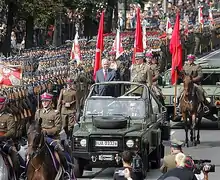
x=211, y=77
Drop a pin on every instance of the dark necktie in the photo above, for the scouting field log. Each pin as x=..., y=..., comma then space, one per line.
x=105, y=74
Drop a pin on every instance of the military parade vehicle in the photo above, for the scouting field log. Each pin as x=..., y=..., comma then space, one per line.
x=116, y=119
x=210, y=83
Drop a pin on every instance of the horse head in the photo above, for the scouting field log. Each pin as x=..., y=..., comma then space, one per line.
x=188, y=84
x=36, y=140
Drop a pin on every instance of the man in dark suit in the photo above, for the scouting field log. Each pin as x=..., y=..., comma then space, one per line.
x=103, y=75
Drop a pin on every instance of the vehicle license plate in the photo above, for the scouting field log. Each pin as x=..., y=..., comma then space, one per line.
x=106, y=143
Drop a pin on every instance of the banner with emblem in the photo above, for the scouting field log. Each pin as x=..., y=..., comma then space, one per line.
x=10, y=75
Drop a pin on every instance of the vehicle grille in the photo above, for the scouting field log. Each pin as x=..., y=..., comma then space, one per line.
x=94, y=148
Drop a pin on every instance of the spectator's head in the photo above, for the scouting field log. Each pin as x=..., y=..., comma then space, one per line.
x=105, y=63
x=176, y=146
x=127, y=158
x=180, y=160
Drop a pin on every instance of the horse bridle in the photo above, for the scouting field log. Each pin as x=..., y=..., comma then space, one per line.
x=39, y=148
x=191, y=93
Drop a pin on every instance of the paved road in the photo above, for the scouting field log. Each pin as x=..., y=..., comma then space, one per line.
x=208, y=149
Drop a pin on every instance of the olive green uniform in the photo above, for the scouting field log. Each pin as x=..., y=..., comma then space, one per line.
x=155, y=68
x=195, y=71
x=67, y=106
x=51, y=121
x=7, y=125
x=8, y=129
x=141, y=73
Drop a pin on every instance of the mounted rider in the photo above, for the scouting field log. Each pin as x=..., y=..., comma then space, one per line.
x=51, y=126
x=155, y=68
x=7, y=133
x=195, y=70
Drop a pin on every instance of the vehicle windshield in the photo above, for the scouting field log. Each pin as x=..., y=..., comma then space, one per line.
x=115, y=107
x=210, y=78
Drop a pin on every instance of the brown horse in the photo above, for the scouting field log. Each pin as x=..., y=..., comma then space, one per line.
x=191, y=109
x=40, y=163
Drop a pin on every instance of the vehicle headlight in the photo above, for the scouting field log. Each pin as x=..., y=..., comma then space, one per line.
x=208, y=99
x=83, y=142
x=130, y=143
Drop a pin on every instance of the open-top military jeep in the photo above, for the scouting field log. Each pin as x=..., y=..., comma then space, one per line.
x=116, y=119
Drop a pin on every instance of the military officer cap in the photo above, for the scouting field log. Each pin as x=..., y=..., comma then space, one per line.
x=191, y=57
x=46, y=96
x=2, y=99
x=176, y=144
x=70, y=81
x=112, y=53
x=139, y=55
x=149, y=55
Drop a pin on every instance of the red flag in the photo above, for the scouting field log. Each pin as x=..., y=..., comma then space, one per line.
x=99, y=46
x=117, y=45
x=176, y=49
x=75, y=52
x=138, y=43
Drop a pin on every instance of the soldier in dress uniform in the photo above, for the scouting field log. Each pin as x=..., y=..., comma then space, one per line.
x=51, y=126
x=141, y=73
x=195, y=70
x=67, y=105
x=8, y=132
x=169, y=160
x=155, y=68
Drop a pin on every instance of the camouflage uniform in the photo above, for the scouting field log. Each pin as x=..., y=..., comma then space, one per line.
x=8, y=131
x=67, y=105
x=169, y=160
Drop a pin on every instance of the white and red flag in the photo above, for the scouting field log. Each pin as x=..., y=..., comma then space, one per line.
x=200, y=17
x=75, y=52
x=169, y=29
x=211, y=20
x=117, y=45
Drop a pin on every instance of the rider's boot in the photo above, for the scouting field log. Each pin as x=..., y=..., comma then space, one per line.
x=60, y=150
x=177, y=116
x=16, y=163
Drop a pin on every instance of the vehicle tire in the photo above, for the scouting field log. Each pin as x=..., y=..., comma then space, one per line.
x=156, y=162
x=78, y=167
x=145, y=159
x=218, y=118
